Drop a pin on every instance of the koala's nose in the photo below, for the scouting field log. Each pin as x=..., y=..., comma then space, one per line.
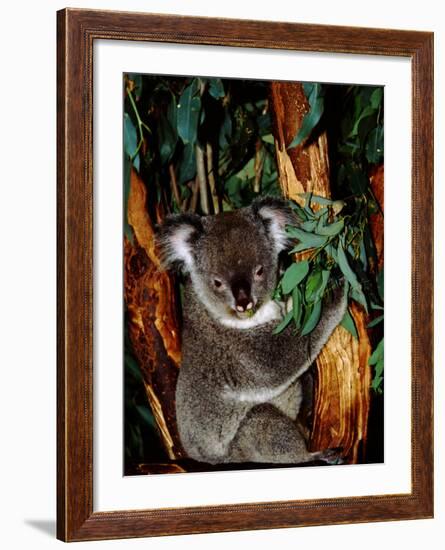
x=241, y=293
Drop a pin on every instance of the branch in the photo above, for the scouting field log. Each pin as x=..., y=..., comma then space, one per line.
x=195, y=195
x=174, y=185
x=211, y=178
x=258, y=166
x=201, y=174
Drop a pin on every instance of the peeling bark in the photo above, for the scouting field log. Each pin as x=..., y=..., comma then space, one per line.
x=376, y=178
x=342, y=389
x=153, y=324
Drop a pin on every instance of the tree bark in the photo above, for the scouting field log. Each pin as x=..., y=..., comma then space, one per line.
x=343, y=377
x=153, y=325
x=376, y=178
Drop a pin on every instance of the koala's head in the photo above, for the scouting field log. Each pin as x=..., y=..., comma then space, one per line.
x=232, y=258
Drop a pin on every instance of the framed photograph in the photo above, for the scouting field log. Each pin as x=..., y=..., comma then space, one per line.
x=245, y=217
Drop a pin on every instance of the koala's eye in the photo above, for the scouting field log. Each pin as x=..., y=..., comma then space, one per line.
x=259, y=271
x=217, y=283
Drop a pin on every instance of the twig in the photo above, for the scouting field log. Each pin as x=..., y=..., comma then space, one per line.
x=195, y=195
x=211, y=178
x=258, y=165
x=141, y=124
x=201, y=173
x=174, y=185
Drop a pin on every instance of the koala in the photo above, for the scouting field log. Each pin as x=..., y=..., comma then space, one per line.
x=239, y=388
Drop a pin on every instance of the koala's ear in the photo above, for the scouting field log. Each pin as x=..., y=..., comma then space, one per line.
x=275, y=213
x=176, y=237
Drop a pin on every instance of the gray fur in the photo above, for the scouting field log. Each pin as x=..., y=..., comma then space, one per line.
x=239, y=388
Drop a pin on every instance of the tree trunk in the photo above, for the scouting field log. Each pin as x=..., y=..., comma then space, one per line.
x=343, y=377
x=153, y=325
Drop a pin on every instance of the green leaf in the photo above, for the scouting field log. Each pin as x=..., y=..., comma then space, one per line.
x=146, y=415
x=374, y=146
x=322, y=216
x=377, y=354
x=225, y=132
x=376, y=97
x=187, y=164
x=132, y=367
x=301, y=212
x=314, y=317
x=189, y=107
x=172, y=112
x=349, y=325
x=325, y=274
x=312, y=285
x=128, y=230
x=248, y=170
x=311, y=118
x=131, y=140
x=358, y=295
x=137, y=81
x=380, y=283
x=356, y=290
x=293, y=275
x=376, y=383
x=375, y=321
x=317, y=199
x=268, y=138
x=287, y=319
x=216, y=88
x=297, y=309
x=310, y=240
x=309, y=226
x=167, y=139
x=331, y=229
x=346, y=268
x=367, y=111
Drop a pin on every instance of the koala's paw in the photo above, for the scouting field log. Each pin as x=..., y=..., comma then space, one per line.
x=331, y=456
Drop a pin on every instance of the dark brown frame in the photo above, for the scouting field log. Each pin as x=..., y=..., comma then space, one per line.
x=77, y=30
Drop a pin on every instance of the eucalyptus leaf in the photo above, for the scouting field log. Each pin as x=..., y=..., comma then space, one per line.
x=297, y=309
x=358, y=295
x=309, y=226
x=377, y=354
x=189, y=108
x=374, y=145
x=146, y=415
x=346, y=268
x=376, y=97
x=325, y=274
x=367, y=111
x=167, y=139
x=225, y=132
x=187, y=164
x=380, y=283
x=317, y=199
x=311, y=118
x=293, y=275
x=376, y=383
x=349, y=324
x=311, y=240
x=375, y=321
x=128, y=230
x=281, y=326
x=130, y=136
x=331, y=229
x=312, y=322
x=268, y=138
x=216, y=88
x=313, y=284
x=301, y=213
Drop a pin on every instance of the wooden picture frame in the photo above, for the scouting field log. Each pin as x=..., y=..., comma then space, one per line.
x=77, y=31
